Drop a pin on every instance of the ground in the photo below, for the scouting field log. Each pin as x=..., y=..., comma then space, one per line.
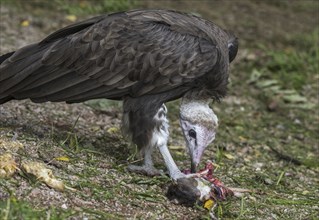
x=267, y=139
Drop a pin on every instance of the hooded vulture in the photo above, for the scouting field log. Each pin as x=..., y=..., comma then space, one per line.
x=144, y=58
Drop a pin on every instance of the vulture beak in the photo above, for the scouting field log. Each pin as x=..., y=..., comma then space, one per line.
x=197, y=146
x=196, y=156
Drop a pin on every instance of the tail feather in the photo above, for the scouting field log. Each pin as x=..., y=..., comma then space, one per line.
x=15, y=67
x=2, y=59
x=5, y=99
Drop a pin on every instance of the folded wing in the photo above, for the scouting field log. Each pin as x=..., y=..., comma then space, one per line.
x=124, y=54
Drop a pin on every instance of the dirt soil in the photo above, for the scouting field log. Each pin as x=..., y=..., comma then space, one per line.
x=267, y=140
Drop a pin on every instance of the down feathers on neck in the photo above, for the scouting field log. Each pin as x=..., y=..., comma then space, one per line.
x=198, y=111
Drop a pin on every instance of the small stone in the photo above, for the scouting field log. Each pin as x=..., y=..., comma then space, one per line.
x=281, y=127
x=268, y=181
x=252, y=198
x=35, y=192
x=305, y=192
x=272, y=106
x=258, y=165
x=64, y=206
x=288, y=174
x=251, y=56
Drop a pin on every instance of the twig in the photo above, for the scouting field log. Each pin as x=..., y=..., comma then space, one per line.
x=285, y=157
x=238, y=192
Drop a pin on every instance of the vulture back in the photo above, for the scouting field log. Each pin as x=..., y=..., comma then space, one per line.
x=143, y=53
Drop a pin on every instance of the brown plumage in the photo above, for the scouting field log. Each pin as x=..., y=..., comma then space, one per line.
x=145, y=57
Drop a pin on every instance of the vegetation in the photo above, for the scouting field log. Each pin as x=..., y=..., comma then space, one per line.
x=75, y=7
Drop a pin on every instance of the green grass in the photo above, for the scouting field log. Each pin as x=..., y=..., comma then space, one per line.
x=294, y=66
x=11, y=209
x=74, y=7
x=95, y=6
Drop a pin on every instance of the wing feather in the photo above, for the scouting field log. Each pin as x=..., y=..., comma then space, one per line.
x=126, y=54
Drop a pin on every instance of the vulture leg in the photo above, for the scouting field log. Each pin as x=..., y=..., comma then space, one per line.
x=149, y=131
x=148, y=167
x=160, y=137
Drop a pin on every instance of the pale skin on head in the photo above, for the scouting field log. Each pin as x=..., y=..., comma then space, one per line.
x=199, y=124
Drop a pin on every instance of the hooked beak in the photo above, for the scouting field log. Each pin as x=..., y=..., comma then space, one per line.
x=196, y=150
x=196, y=157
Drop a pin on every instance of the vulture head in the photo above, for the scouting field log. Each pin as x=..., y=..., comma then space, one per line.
x=199, y=124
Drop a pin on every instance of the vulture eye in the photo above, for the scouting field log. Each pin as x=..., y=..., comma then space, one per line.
x=192, y=133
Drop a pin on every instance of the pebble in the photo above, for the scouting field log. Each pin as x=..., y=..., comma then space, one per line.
x=64, y=206
x=268, y=181
x=281, y=127
x=35, y=192
x=258, y=166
